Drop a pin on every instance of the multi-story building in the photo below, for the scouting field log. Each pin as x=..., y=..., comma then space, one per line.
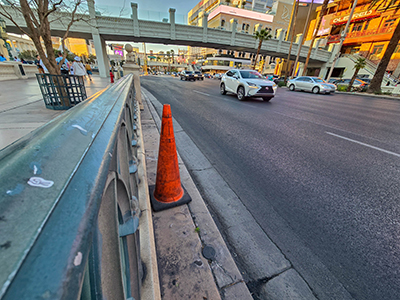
x=266, y=14
x=370, y=31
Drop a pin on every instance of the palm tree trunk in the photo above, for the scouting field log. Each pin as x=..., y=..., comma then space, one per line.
x=322, y=13
x=352, y=79
x=291, y=41
x=258, y=52
x=376, y=81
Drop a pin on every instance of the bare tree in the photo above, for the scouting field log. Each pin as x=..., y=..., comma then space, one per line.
x=38, y=15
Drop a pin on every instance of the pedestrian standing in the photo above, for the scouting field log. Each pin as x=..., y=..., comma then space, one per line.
x=78, y=67
x=89, y=71
x=64, y=66
x=37, y=63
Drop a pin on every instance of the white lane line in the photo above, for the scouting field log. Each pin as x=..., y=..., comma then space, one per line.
x=363, y=144
x=201, y=93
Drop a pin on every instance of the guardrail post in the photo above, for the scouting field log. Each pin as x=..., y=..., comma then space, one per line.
x=314, y=55
x=136, y=29
x=280, y=36
x=299, y=41
x=234, y=23
x=131, y=67
x=172, y=22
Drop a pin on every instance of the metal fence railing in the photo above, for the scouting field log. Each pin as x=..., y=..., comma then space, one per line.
x=69, y=211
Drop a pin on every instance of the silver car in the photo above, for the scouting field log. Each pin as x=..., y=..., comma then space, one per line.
x=311, y=84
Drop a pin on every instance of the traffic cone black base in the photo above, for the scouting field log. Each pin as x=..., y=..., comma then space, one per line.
x=159, y=206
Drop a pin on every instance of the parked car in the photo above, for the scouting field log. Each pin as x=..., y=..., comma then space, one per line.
x=187, y=75
x=174, y=74
x=358, y=84
x=247, y=83
x=311, y=84
x=207, y=75
x=279, y=80
x=198, y=75
x=217, y=76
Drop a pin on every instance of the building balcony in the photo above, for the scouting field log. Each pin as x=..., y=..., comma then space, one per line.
x=373, y=35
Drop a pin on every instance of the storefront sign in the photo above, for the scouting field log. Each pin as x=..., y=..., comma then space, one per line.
x=356, y=16
x=326, y=26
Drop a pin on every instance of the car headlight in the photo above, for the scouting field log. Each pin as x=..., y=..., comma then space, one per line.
x=251, y=84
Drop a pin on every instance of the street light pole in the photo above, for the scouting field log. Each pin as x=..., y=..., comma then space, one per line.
x=342, y=38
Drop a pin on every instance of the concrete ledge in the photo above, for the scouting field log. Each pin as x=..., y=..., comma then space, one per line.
x=151, y=285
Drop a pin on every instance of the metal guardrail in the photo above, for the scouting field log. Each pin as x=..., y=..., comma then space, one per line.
x=68, y=207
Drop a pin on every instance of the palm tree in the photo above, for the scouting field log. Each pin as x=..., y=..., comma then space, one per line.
x=375, y=85
x=360, y=64
x=172, y=55
x=262, y=35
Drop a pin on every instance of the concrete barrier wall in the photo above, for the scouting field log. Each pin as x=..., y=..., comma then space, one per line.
x=11, y=71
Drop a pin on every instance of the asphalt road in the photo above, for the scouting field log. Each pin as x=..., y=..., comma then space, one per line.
x=329, y=165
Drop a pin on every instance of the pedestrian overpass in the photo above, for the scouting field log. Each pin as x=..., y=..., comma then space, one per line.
x=102, y=28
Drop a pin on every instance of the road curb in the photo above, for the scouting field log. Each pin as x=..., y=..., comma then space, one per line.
x=226, y=275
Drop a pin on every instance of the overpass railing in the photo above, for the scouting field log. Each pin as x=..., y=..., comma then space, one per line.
x=69, y=210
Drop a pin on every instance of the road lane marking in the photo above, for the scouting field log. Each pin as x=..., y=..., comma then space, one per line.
x=363, y=144
x=201, y=93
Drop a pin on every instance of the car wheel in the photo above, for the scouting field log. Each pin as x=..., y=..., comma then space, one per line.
x=315, y=90
x=292, y=87
x=181, y=78
x=202, y=79
x=185, y=79
x=240, y=93
x=222, y=89
x=266, y=99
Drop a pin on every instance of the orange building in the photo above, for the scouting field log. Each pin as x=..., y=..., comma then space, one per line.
x=370, y=30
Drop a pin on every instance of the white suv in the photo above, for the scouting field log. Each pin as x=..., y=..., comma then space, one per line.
x=247, y=83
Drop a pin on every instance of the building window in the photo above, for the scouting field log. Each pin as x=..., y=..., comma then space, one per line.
x=377, y=50
x=247, y=27
x=243, y=26
x=357, y=27
x=366, y=25
x=389, y=23
x=222, y=23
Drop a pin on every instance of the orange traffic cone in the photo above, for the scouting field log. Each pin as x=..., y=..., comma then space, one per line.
x=168, y=191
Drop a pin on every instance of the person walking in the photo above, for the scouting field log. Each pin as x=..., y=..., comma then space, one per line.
x=64, y=66
x=78, y=67
x=37, y=63
x=89, y=71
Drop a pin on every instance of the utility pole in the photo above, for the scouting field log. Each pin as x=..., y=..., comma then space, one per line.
x=302, y=38
x=342, y=38
x=291, y=40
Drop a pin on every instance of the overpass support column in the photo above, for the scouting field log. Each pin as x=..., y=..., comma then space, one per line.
x=99, y=43
x=101, y=54
x=172, y=22
x=135, y=18
x=234, y=23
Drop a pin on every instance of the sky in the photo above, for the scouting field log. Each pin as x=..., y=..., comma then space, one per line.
x=148, y=7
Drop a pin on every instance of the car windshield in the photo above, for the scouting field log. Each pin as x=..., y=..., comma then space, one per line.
x=318, y=80
x=197, y=72
x=189, y=72
x=251, y=74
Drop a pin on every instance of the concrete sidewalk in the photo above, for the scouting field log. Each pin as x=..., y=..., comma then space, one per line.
x=22, y=108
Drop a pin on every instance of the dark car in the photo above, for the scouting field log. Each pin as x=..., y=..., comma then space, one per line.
x=187, y=75
x=198, y=75
x=279, y=80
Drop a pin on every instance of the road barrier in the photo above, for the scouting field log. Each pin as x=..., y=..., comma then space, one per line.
x=69, y=204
